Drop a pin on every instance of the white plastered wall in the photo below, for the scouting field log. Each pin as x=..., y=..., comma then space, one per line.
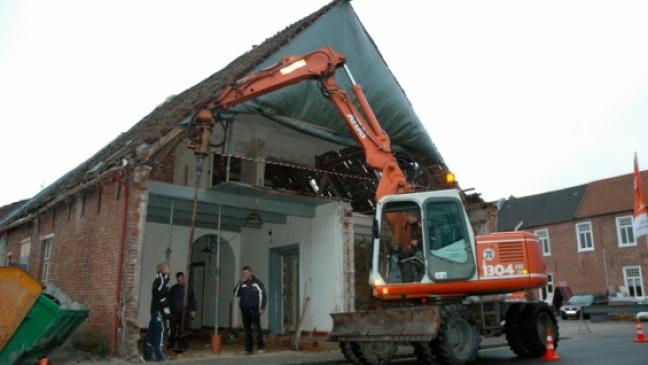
x=320, y=255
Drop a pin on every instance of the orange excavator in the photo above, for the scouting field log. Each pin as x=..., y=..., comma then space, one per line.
x=440, y=287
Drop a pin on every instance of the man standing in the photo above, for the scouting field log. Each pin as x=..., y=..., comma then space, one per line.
x=252, y=302
x=176, y=300
x=159, y=311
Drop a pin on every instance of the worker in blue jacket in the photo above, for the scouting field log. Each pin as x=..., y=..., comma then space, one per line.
x=252, y=301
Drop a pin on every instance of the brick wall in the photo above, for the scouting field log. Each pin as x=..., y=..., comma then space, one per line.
x=483, y=217
x=164, y=168
x=585, y=271
x=84, y=255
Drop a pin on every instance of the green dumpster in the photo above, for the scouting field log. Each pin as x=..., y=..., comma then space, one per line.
x=45, y=327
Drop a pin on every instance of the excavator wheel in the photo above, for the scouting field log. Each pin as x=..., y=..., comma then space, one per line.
x=458, y=340
x=377, y=353
x=512, y=329
x=526, y=328
x=423, y=353
x=351, y=350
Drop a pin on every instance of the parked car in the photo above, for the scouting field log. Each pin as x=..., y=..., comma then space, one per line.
x=572, y=308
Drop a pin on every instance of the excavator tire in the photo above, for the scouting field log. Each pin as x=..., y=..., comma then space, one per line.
x=423, y=352
x=458, y=340
x=512, y=329
x=350, y=350
x=376, y=353
x=526, y=328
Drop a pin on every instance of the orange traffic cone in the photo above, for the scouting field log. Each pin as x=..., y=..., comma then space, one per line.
x=550, y=354
x=43, y=361
x=640, y=333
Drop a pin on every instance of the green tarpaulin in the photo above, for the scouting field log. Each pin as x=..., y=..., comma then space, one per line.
x=303, y=107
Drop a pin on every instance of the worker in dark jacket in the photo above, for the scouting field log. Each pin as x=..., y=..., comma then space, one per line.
x=159, y=312
x=252, y=301
x=412, y=261
x=178, y=333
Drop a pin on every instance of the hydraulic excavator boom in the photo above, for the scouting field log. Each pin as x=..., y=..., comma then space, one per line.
x=319, y=65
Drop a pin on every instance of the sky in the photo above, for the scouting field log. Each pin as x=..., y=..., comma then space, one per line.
x=520, y=97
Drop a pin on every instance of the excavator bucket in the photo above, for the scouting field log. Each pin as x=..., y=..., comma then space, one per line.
x=407, y=324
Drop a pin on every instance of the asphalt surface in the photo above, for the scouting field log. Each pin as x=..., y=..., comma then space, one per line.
x=590, y=350
x=605, y=343
x=594, y=350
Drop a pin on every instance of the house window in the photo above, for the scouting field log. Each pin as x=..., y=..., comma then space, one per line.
x=543, y=237
x=47, y=250
x=625, y=233
x=25, y=250
x=633, y=281
x=584, y=236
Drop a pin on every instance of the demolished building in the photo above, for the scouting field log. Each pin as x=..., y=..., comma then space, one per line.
x=286, y=191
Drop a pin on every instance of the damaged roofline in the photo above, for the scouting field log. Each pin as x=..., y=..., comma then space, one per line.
x=144, y=155
x=163, y=119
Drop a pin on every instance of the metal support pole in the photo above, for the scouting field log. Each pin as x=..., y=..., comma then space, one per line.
x=349, y=74
x=194, y=213
x=218, y=270
x=168, y=250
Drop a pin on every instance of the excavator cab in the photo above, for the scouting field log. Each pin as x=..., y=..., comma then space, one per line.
x=422, y=238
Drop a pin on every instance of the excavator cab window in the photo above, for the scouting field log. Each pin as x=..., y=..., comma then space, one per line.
x=402, y=258
x=448, y=243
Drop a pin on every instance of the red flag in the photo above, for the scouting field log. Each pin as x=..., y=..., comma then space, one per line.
x=640, y=210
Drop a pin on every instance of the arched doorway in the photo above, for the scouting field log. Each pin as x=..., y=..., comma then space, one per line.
x=203, y=279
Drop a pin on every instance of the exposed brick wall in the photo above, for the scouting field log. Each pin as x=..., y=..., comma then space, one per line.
x=84, y=254
x=585, y=271
x=362, y=263
x=483, y=217
x=163, y=170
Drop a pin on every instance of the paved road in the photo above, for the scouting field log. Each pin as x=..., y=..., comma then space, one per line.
x=604, y=349
x=595, y=350
x=608, y=343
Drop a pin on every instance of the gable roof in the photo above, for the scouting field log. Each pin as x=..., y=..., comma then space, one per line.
x=609, y=196
x=540, y=209
x=159, y=127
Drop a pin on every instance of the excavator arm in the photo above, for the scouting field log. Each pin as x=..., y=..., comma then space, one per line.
x=319, y=65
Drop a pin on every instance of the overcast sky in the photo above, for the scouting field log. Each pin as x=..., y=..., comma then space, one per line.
x=520, y=97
